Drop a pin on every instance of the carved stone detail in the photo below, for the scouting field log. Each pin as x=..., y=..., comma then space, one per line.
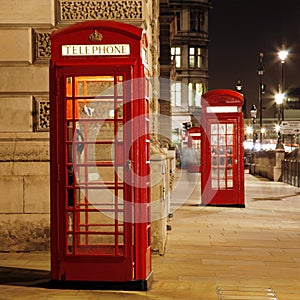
x=72, y=10
x=41, y=119
x=42, y=46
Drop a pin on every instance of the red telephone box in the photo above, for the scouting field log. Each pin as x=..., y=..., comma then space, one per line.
x=194, y=144
x=100, y=157
x=222, y=152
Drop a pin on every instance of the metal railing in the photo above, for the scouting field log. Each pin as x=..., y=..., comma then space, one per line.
x=291, y=172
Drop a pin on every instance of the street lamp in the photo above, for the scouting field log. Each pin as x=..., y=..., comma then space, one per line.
x=261, y=90
x=239, y=88
x=279, y=102
x=283, y=54
x=253, y=113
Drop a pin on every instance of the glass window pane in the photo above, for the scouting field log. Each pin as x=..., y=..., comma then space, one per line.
x=191, y=94
x=178, y=62
x=222, y=184
x=229, y=128
x=214, y=161
x=214, y=172
x=69, y=87
x=229, y=161
x=222, y=173
x=214, y=128
x=192, y=61
x=222, y=128
x=94, y=85
x=214, y=184
x=199, y=62
x=222, y=139
x=229, y=139
x=214, y=140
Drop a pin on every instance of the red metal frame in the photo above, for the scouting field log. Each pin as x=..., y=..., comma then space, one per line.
x=100, y=157
x=222, y=151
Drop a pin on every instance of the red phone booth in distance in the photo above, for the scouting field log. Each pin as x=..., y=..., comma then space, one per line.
x=222, y=159
x=100, y=155
x=194, y=144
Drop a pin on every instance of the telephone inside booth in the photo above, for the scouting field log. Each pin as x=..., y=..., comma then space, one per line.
x=222, y=152
x=100, y=155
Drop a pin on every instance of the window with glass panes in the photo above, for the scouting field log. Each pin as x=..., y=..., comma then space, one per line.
x=195, y=92
x=176, y=56
x=196, y=20
x=176, y=94
x=222, y=147
x=178, y=16
x=195, y=57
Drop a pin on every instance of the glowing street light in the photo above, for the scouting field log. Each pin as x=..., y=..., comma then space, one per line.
x=277, y=128
x=283, y=54
x=279, y=98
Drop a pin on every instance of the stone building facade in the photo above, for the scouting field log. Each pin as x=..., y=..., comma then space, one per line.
x=25, y=50
x=189, y=53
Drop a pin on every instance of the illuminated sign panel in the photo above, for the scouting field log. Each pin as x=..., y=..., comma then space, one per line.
x=94, y=50
x=222, y=109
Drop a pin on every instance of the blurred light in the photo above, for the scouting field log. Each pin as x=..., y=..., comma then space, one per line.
x=283, y=55
x=279, y=98
x=277, y=128
x=249, y=129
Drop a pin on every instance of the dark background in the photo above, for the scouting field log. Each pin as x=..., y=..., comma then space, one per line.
x=238, y=31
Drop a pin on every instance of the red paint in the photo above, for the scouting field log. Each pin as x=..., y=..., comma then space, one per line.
x=100, y=157
x=222, y=152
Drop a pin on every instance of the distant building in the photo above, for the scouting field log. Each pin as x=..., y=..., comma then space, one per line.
x=189, y=55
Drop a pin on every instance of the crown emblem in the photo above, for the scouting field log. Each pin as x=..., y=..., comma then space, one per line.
x=95, y=36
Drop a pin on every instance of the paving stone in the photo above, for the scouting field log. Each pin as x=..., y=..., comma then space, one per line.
x=257, y=246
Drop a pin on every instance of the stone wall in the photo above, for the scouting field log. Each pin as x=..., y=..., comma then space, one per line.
x=25, y=51
x=267, y=164
x=24, y=146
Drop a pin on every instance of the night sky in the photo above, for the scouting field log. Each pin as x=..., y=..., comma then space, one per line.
x=238, y=31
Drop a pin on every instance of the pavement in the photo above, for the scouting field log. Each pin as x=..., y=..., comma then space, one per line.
x=211, y=253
